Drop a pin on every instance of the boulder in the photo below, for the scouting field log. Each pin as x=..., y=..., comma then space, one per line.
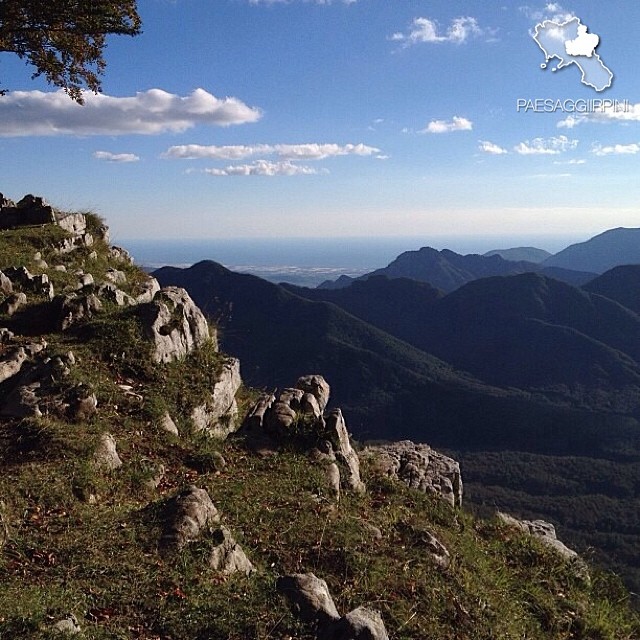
x=35, y=389
x=336, y=433
x=361, y=624
x=147, y=290
x=218, y=415
x=120, y=255
x=106, y=455
x=545, y=532
x=189, y=514
x=419, y=467
x=31, y=210
x=116, y=276
x=73, y=308
x=227, y=556
x=309, y=596
x=26, y=281
x=67, y=626
x=318, y=387
x=13, y=303
x=174, y=323
x=109, y=291
x=74, y=223
x=5, y=284
x=167, y=424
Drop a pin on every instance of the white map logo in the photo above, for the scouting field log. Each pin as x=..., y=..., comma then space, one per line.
x=571, y=43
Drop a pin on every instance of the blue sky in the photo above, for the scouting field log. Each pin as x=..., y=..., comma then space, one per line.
x=266, y=118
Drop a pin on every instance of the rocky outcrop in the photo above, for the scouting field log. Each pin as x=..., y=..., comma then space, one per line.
x=295, y=413
x=228, y=557
x=310, y=598
x=174, y=324
x=419, y=467
x=218, y=414
x=11, y=362
x=545, y=532
x=106, y=454
x=42, y=388
x=13, y=303
x=5, y=284
x=190, y=513
x=31, y=210
x=336, y=433
x=23, y=280
x=318, y=387
x=73, y=308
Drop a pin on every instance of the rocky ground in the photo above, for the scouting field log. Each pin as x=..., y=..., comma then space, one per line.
x=146, y=493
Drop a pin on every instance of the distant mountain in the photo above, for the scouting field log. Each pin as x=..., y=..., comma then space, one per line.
x=599, y=254
x=517, y=254
x=387, y=388
x=524, y=331
x=621, y=284
x=447, y=270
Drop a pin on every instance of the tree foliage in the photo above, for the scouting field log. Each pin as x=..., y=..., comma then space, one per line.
x=64, y=39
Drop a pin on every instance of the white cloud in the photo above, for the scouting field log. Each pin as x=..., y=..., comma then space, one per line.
x=617, y=149
x=545, y=146
x=309, y=151
x=37, y=113
x=425, y=30
x=570, y=162
x=551, y=11
x=442, y=126
x=492, y=148
x=263, y=168
x=115, y=157
x=621, y=112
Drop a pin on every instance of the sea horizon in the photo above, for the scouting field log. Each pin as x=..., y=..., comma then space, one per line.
x=310, y=261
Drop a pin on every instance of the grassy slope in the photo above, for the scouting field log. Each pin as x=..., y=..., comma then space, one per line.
x=61, y=552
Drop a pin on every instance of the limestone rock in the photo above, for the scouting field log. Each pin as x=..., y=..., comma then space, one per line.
x=109, y=291
x=34, y=389
x=419, y=467
x=73, y=308
x=6, y=336
x=190, y=512
x=5, y=284
x=67, y=626
x=336, y=431
x=309, y=596
x=546, y=533
x=116, y=276
x=255, y=419
x=228, y=556
x=74, y=223
x=26, y=281
x=31, y=210
x=106, y=455
x=361, y=624
x=120, y=254
x=83, y=403
x=147, y=290
x=13, y=303
x=174, y=323
x=218, y=415
x=167, y=424
x=318, y=387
